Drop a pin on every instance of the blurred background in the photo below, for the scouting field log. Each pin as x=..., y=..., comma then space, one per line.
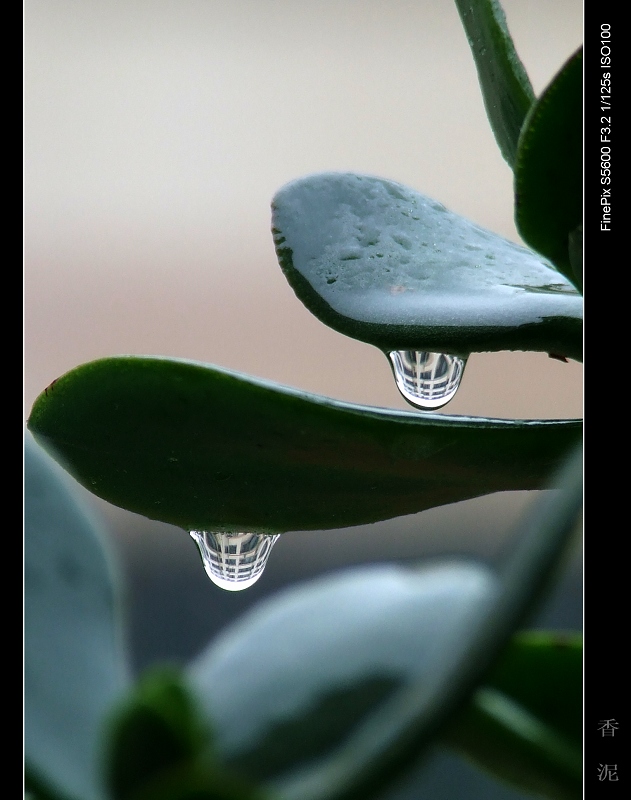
x=156, y=134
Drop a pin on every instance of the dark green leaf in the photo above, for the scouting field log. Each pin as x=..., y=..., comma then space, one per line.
x=575, y=242
x=384, y=264
x=549, y=168
x=155, y=730
x=526, y=724
x=159, y=747
x=74, y=663
x=543, y=671
x=505, y=86
x=204, y=448
x=519, y=748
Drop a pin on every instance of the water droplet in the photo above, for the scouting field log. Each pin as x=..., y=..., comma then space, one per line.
x=426, y=380
x=234, y=561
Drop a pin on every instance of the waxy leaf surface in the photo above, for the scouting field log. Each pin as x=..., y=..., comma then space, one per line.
x=208, y=449
x=384, y=264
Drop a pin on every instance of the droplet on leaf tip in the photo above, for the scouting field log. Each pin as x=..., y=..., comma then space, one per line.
x=426, y=380
x=234, y=561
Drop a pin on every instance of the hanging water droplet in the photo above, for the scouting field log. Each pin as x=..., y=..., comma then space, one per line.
x=234, y=561
x=426, y=380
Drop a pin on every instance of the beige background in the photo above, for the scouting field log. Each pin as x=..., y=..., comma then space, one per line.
x=156, y=134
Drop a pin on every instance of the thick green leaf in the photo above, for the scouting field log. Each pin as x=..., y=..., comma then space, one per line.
x=384, y=264
x=526, y=724
x=549, y=168
x=205, y=448
x=338, y=646
x=74, y=663
x=159, y=747
x=505, y=85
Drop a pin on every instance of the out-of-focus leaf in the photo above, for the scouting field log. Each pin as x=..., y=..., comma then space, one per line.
x=155, y=730
x=384, y=264
x=543, y=672
x=324, y=693
x=207, y=449
x=503, y=80
x=288, y=682
x=526, y=724
x=549, y=168
x=402, y=727
x=159, y=747
x=75, y=667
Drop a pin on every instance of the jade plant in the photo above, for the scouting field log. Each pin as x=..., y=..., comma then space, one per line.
x=334, y=689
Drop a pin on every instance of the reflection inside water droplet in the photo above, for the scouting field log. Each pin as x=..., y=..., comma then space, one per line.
x=234, y=561
x=426, y=380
